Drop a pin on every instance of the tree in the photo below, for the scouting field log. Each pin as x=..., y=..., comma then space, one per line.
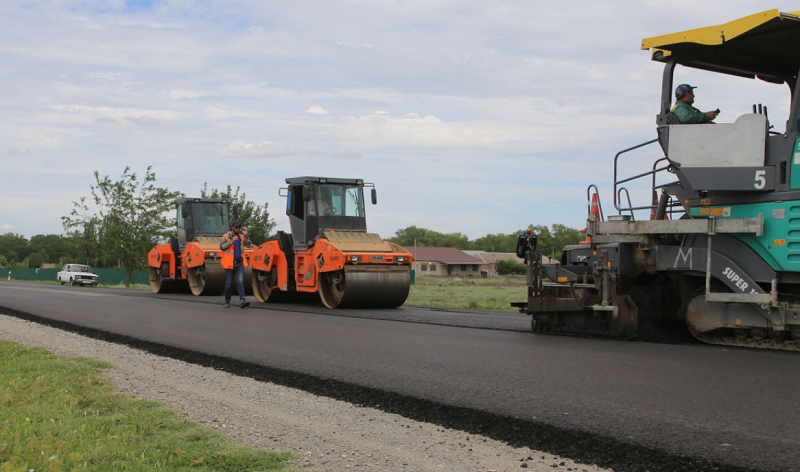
x=426, y=237
x=56, y=247
x=407, y=236
x=36, y=259
x=497, y=242
x=84, y=240
x=254, y=217
x=14, y=247
x=130, y=220
x=550, y=243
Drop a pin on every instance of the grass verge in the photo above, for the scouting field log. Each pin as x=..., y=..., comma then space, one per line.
x=492, y=294
x=58, y=413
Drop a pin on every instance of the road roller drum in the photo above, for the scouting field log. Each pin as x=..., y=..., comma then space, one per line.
x=374, y=289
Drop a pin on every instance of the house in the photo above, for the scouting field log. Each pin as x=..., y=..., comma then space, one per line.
x=444, y=262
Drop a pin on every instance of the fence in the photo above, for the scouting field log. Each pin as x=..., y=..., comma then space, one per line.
x=104, y=276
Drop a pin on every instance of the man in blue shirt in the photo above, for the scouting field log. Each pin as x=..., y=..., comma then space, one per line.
x=233, y=261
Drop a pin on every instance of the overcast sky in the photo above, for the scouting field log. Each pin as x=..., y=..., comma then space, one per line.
x=471, y=116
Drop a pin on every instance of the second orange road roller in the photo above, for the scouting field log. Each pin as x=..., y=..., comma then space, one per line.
x=329, y=251
x=192, y=260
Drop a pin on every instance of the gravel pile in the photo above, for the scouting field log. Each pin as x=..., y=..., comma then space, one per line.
x=323, y=433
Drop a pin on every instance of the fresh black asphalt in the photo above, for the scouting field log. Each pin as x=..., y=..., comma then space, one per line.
x=625, y=405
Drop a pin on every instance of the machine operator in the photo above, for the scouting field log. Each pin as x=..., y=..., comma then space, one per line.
x=685, y=112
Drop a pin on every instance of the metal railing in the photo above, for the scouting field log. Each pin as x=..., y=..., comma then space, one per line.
x=654, y=187
x=589, y=200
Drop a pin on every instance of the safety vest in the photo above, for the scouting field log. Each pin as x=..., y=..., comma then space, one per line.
x=227, y=254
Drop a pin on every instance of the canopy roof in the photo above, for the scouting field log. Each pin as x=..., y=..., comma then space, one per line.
x=764, y=45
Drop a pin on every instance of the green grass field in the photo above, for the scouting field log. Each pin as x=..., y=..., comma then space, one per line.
x=495, y=293
x=58, y=413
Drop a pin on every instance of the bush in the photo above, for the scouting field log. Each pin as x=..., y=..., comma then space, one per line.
x=509, y=266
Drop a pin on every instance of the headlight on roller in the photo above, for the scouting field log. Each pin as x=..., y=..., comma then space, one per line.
x=353, y=258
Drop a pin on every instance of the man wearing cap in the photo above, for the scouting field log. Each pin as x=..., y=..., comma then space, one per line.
x=234, y=262
x=685, y=112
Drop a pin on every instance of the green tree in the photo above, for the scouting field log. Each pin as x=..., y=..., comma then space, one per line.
x=457, y=240
x=131, y=217
x=426, y=237
x=552, y=241
x=56, y=246
x=500, y=242
x=254, y=217
x=407, y=236
x=36, y=259
x=84, y=239
x=14, y=247
x=3, y=261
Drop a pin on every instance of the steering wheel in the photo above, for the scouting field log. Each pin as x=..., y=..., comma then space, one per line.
x=330, y=211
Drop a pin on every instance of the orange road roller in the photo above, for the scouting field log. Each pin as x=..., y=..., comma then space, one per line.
x=329, y=251
x=192, y=260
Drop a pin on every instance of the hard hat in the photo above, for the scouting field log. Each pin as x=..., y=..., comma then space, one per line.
x=682, y=89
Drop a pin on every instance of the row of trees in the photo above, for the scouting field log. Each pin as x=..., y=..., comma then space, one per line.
x=119, y=224
x=125, y=218
x=551, y=240
x=16, y=251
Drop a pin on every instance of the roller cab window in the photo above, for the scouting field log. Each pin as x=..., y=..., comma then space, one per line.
x=336, y=200
x=210, y=218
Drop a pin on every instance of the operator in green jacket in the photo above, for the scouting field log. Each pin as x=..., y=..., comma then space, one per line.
x=685, y=112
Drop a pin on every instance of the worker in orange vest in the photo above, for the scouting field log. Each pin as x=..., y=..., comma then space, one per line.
x=234, y=262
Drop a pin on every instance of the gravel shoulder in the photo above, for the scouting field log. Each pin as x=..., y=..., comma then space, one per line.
x=323, y=433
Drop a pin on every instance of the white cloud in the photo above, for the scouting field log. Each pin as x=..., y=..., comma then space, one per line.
x=467, y=94
x=317, y=110
x=7, y=226
x=264, y=149
x=143, y=121
x=179, y=94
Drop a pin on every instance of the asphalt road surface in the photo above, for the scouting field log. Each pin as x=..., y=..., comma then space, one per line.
x=686, y=407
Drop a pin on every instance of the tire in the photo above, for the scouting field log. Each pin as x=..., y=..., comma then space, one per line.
x=71, y=282
x=60, y=282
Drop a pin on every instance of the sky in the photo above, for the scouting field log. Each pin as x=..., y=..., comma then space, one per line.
x=468, y=116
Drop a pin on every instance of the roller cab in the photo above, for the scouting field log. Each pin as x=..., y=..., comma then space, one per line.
x=192, y=260
x=330, y=253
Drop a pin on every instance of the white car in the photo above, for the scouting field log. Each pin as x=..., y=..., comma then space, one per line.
x=76, y=274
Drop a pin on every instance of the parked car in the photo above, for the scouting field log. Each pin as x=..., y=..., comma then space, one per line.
x=77, y=274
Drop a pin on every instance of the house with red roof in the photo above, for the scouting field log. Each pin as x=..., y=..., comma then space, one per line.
x=444, y=262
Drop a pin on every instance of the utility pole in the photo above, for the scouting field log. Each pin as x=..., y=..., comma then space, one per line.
x=415, y=250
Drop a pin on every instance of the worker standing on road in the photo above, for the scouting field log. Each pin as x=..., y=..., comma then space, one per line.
x=685, y=112
x=234, y=262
